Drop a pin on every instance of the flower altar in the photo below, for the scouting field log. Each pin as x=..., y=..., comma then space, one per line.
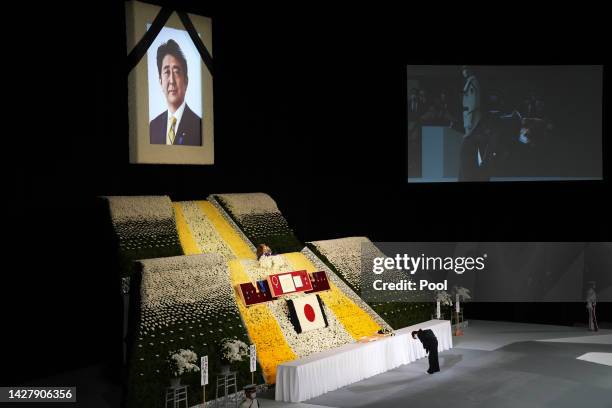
x=189, y=302
x=144, y=227
x=258, y=217
x=185, y=302
x=343, y=256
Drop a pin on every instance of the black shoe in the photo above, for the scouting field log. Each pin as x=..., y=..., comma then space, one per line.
x=429, y=372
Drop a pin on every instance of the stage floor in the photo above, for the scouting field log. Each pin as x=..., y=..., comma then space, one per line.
x=496, y=364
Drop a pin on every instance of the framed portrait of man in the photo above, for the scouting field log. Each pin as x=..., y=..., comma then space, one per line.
x=170, y=94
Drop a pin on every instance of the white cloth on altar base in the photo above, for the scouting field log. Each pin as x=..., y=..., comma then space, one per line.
x=311, y=376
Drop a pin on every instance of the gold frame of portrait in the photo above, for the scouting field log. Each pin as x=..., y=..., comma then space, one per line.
x=138, y=15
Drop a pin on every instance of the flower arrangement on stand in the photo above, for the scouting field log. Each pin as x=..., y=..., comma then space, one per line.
x=273, y=262
x=442, y=298
x=180, y=362
x=233, y=351
x=461, y=294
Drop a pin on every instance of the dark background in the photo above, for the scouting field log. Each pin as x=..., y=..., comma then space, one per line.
x=310, y=107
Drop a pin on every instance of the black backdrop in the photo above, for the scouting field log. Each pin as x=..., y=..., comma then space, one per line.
x=309, y=107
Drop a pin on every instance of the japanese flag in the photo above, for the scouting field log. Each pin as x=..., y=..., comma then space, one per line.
x=306, y=313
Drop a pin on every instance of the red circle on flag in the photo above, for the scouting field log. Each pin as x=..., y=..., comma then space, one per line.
x=309, y=313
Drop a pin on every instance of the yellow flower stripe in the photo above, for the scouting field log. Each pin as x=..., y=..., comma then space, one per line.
x=225, y=230
x=235, y=243
x=190, y=247
x=356, y=322
x=264, y=331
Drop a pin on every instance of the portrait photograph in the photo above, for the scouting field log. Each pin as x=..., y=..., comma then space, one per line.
x=170, y=88
x=175, y=90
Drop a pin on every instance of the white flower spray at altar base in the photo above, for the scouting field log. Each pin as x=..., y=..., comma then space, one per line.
x=273, y=262
x=461, y=294
x=442, y=298
x=234, y=350
x=183, y=361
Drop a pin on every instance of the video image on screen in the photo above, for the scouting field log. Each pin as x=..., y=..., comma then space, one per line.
x=504, y=123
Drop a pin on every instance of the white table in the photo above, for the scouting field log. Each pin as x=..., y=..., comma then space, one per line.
x=311, y=376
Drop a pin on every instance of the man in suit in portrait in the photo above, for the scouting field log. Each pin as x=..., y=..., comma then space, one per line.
x=430, y=344
x=475, y=153
x=178, y=125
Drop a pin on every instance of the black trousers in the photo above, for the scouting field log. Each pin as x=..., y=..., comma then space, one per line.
x=469, y=170
x=434, y=364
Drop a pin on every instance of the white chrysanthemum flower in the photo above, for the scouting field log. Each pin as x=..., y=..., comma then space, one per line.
x=265, y=261
x=128, y=208
x=279, y=263
x=463, y=293
x=249, y=203
x=234, y=350
x=257, y=214
x=346, y=255
x=182, y=361
x=340, y=284
x=444, y=298
x=303, y=344
x=179, y=289
x=205, y=234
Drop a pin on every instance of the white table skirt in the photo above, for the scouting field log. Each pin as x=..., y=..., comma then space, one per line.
x=311, y=376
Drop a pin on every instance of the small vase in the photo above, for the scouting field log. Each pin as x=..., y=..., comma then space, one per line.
x=175, y=382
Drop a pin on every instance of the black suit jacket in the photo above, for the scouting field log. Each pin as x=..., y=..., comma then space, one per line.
x=189, y=132
x=428, y=338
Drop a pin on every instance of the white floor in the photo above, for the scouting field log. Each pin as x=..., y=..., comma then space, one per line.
x=594, y=338
x=497, y=364
x=599, y=358
x=489, y=336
